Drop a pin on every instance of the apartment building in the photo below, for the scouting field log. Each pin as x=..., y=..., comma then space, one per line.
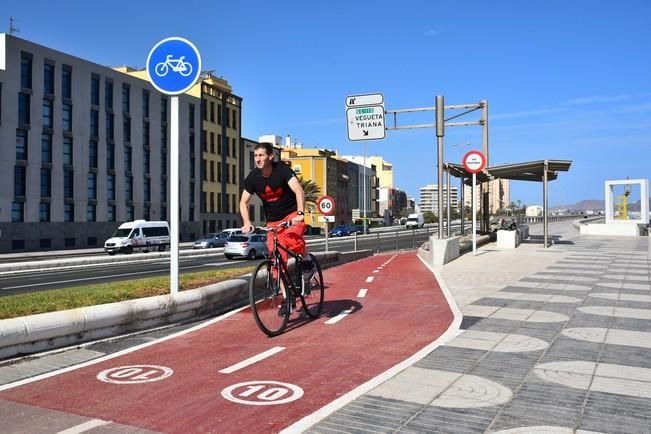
x=429, y=198
x=499, y=195
x=363, y=174
x=85, y=148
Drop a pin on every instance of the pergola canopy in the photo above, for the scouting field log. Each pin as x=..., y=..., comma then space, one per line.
x=526, y=171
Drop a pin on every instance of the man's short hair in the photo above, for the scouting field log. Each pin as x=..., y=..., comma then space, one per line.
x=267, y=147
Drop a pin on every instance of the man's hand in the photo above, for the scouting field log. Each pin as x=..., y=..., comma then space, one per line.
x=247, y=228
x=297, y=219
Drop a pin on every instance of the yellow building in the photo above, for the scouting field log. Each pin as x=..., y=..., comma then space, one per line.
x=326, y=170
x=221, y=168
x=384, y=170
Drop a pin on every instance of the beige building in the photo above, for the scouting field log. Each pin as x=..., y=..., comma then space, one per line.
x=499, y=195
x=429, y=198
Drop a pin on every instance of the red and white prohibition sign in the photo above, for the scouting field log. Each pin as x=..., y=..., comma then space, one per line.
x=474, y=161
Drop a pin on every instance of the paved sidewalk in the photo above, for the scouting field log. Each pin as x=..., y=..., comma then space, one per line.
x=554, y=340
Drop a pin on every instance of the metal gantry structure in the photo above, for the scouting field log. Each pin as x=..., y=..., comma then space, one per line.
x=440, y=123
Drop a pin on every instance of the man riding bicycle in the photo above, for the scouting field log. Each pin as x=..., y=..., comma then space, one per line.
x=283, y=200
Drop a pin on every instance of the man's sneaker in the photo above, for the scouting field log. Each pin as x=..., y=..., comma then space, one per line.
x=308, y=268
x=283, y=308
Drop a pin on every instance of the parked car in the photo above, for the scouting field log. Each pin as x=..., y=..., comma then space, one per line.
x=340, y=231
x=250, y=246
x=359, y=229
x=211, y=240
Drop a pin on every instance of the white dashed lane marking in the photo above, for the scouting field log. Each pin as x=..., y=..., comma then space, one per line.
x=339, y=317
x=251, y=360
x=369, y=279
x=362, y=293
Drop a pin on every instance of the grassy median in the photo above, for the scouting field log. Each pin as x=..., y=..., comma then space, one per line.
x=13, y=306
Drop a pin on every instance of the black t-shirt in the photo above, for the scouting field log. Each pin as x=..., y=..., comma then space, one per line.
x=277, y=197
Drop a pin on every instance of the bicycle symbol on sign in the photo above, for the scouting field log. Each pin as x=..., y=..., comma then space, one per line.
x=177, y=65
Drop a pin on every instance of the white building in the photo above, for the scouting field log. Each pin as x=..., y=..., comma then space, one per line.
x=429, y=198
x=85, y=147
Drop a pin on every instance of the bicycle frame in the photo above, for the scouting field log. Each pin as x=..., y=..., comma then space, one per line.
x=283, y=268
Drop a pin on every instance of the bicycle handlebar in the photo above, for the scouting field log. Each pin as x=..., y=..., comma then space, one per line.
x=284, y=224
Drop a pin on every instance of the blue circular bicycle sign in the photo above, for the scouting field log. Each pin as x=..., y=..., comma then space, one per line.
x=174, y=65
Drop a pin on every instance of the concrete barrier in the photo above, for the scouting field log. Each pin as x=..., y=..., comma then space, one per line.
x=47, y=331
x=508, y=239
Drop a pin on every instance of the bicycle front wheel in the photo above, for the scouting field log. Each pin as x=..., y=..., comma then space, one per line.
x=266, y=299
x=313, y=291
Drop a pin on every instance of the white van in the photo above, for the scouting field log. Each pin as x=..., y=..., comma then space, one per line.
x=415, y=221
x=139, y=236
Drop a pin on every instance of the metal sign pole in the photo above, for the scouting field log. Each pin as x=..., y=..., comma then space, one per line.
x=439, y=144
x=474, y=214
x=174, y=196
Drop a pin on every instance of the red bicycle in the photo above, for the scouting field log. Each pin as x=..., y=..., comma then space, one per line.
x=274, y=288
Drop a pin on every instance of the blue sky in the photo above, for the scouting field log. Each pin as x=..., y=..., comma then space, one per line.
x=563, y=79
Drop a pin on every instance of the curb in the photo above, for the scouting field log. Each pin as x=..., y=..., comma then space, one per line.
x=48, y=331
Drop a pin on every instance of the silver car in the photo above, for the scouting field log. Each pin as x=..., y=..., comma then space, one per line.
x=211, y=240
x=250, y=246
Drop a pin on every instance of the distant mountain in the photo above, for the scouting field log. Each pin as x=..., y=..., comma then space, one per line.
x=597, y=205
x=588, y=204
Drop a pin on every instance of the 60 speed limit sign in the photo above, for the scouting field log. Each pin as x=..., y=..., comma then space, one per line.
x=326, y=205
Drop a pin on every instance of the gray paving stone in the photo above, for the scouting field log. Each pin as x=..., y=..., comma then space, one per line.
x=488, y=301
x=534, y=330
x=640, y=325
x=563, y=349
x=450, y=420
x=451, y=359
x=625, y=355
x=507, y=369
x=497, y=325
x=605, y=412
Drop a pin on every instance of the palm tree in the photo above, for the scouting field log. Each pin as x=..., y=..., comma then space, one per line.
x=312, y=193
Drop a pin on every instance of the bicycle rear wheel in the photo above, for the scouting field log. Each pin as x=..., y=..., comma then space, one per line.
x=312, y=299
x=266, y=299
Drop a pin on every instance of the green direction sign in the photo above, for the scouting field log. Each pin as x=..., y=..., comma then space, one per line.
x=365, y=123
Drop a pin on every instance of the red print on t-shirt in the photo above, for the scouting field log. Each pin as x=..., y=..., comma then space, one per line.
x=270, y=195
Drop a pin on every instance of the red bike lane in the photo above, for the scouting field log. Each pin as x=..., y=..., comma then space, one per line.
x=392, y=307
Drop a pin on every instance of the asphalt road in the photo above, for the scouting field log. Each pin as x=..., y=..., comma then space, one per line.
x=66, y=277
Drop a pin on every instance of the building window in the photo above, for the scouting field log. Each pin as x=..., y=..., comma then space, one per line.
x=94, y=123
x=234, y=173
x=66, y=110
x=163, y=109
x=108, y=95
x=47, y=113
x=147, y=189
x=212, y=171
x=92, y=154
x=21, y=144
x=127, y=158
x=46, y=148
x=92, y=185
x=94, y=89
x=204, y=110
x=46, y=182
x=48, y=79
x=234, y=113
x=227, y=175
x=212, y=111
x=23, y=108
x=130, y=213
x=128, y=187
x=163, y=191
x=234, y=142
x=145, y=103
x=67, y=150
x=44, y=212
x=126, y=98
x=91, y=215
x=110, y=127
x=110, y=213
x=110, y=156
x=110, y=187
x=163, y=213
x=146, y=156
x=219, y=144
x=219, y=172
x=212, y=142
x=69, y=242
x=20, y=181
x=17, y=212
x=219, y=202
x=145, y=134
x=163, y=137
x=69, y=213
x=45, y=243
x=25, y=70
x=163, y=163
x=219, y=114
x=68, y=184
x=204, y=140
x=191, y=116
x=66, y=81
x=145, y=212
x=126, y=129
